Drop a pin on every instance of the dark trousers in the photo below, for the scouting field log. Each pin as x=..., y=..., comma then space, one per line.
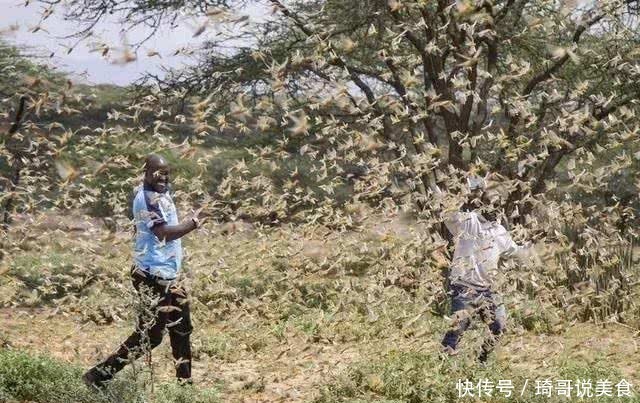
x=166, y=308
x=466, y=303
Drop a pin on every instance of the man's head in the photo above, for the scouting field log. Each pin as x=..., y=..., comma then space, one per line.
x=156, y=173
x=483, y=197
x=476, y=186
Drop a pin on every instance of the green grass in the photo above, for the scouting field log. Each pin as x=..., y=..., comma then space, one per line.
x=425, y=377
x=38, y=378
x=267, y=304
x=41, y=276
x=27, y=377
x=171, y=392
x=218, y=346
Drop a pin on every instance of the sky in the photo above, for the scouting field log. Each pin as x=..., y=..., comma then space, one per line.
x=87, y=65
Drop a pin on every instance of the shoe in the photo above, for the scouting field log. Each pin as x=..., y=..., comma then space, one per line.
x=185, y=381
x=483, y=357
x=95, y=380
x=447, y=351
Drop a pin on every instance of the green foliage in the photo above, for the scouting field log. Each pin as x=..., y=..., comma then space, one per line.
x=217, y=346
x=414, y=377
x=45, y=278
x=400, y=376
x=536, y=321
x=271, y=294
x=29, y=377
x=15, y=67
x=38, y=378
x=175, y=393
x=341, y=117
x=602, y=279
x=46, y=275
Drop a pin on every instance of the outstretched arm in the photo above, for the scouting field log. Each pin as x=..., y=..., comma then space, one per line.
x=521, y=252
x=166, y=232
x=156, y=219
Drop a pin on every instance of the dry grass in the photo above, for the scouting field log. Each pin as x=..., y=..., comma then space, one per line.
x=285, y=315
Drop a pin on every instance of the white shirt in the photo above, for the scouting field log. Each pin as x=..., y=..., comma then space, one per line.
x=479, y=245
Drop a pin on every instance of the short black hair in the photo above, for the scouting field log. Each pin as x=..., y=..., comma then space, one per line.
x=153, y=159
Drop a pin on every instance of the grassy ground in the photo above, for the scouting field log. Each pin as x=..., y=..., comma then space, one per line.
x=286, y=315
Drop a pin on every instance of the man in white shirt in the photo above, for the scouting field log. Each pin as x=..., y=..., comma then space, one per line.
x=480, y=242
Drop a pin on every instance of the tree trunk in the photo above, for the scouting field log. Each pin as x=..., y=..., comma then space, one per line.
x=17, y=165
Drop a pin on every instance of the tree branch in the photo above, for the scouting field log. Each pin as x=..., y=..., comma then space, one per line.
x=549, y=71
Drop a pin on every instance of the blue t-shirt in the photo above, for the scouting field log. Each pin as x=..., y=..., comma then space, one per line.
x=150, y=208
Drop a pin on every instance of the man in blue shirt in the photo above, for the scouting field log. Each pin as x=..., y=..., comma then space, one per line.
x=158, y=256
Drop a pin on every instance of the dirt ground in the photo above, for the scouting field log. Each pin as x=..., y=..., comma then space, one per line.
x=293, y=371
x=292, y=366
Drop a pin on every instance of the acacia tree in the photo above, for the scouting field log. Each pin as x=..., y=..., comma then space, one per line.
x=427, y=87
x=27, y=90
x=371, y=102
x=513, y=85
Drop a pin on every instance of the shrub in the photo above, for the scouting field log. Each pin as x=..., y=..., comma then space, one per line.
x=415, y=377
x=28, y=377
x=185, y=394
x=41, y=379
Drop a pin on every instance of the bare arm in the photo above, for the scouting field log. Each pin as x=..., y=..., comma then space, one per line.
x=523, y=253
x=167, y=233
